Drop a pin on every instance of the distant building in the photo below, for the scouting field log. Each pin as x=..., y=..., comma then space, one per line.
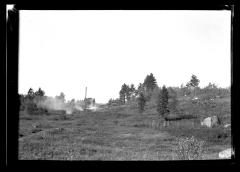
x=89, y=102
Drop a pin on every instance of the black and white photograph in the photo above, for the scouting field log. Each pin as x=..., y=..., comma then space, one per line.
x=124, y=85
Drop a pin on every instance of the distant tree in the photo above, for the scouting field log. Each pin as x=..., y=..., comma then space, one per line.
x=110, y=101
x=139, y=89
x=150, y=82
x=141, y=102
x=128, y=93
x=212, y=86
x=186, y=91
x=72, y=101
x=194, y=82
x=114, y=101
x=162, y=103
x=30, y=102
x=124, y=94
x=40, y=93
x=61, y=97
x=210, y=91
x=30, y=94
x=224, y=92
x=132, y=90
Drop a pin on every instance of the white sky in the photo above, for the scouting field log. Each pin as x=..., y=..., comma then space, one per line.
x=64, y=51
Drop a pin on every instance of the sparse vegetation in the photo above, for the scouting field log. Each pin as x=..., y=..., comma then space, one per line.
x=116, y=131
x=190, y=149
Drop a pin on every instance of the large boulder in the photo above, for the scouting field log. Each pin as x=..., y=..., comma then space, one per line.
x=206, y=122
x=210, y=121
x=226, y=154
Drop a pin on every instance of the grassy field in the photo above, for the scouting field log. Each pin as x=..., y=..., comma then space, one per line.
x=117, y=133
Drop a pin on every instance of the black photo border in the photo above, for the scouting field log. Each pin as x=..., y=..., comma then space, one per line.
x=10, y=73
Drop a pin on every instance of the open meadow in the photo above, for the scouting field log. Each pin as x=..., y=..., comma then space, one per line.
x=120, y=133
x=123, y=85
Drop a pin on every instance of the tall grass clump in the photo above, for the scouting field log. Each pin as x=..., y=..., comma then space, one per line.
x=190, y=149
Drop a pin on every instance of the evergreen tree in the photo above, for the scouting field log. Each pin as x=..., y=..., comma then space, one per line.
x=162, y=103
x=124, y=93
x=122, y=96
x=132, y=90
x=40, y=93
x=110, y=101
x=194, y=82
x=150, y=82
x=31, y=101
x=128, y=93
x=30, y=94
x=139, y=89
x=141, y=102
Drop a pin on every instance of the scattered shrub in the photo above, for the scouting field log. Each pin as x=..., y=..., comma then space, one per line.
x=190, y=149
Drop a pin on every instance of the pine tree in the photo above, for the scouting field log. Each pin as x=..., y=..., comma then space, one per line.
x=124, y=93
x=162, y=103
x=40, y=92
x=128, y=93
x=132, y=90
x=194, y=82
x=150, y=82
x=30, y=94
x=141, y=102
x=110, y=101
x=139, y=89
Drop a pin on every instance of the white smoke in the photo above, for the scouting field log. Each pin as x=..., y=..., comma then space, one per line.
x=60, y=104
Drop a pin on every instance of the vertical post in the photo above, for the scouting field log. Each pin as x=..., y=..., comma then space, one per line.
x=85, y=99
x=85, y=92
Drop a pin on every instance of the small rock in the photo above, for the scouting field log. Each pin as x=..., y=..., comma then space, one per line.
x=227, y=125
x=226, y=154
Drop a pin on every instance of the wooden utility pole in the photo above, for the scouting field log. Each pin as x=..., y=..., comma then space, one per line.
x=85, y=100
x=85, y=92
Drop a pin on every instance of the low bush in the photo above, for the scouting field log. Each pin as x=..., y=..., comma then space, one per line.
x=190, y=149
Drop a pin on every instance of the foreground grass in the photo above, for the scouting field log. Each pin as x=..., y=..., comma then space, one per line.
x=105, y=135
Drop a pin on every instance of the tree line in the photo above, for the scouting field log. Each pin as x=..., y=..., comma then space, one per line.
x=149, y=90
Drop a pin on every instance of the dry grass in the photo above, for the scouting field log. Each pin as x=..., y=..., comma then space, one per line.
x=110, y=134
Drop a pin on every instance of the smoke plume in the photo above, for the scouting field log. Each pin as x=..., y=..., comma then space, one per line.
x=51, y=103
